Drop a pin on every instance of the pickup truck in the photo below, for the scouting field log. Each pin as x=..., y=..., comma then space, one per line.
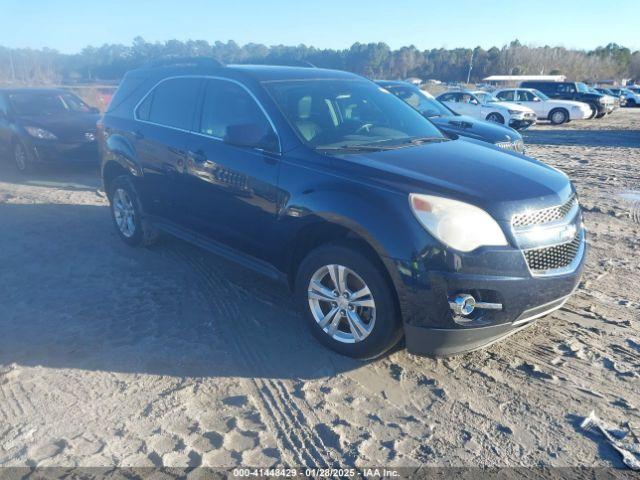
x=600, y=104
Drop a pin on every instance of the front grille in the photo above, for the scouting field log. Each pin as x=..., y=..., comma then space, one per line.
x=546, y=215
x=515, y=146
x=553, y=258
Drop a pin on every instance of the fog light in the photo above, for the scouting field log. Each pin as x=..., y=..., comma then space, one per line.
x=463, y=304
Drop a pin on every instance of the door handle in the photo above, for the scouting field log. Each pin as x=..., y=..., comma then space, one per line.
x=197, y=156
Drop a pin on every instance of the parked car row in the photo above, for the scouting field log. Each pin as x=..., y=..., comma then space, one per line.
x=519, y=108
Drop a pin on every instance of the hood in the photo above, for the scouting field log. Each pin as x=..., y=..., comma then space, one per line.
x=511, y=106
x=69, y=126
x=503, y=183
x=478, y=129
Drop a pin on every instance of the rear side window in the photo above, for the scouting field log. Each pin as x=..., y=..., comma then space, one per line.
x=566, y=88
x=227, y=104
x=506, y=95
x=172, y=103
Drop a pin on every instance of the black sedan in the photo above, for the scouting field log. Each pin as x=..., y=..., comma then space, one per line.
x=46, y=126
x=450, y=122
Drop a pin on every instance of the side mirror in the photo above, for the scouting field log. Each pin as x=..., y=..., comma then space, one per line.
x=251, y=135
x=536, y=99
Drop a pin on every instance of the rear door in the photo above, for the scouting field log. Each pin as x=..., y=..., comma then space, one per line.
x=230, y=189
x=164, y=118
x=5, y=124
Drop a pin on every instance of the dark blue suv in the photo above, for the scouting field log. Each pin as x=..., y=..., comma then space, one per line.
x=380, y=225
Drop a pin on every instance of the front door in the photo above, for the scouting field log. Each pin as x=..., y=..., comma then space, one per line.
x=231, y=174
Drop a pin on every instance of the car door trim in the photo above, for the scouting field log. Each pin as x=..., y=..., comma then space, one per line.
x=191, y=131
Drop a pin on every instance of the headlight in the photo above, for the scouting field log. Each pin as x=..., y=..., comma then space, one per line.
x=513, y=112
x=40, y=133
x=601, y=100
x=457, y=224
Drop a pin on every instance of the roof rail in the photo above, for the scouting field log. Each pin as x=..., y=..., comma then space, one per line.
x=184, y=61
x=285, y=63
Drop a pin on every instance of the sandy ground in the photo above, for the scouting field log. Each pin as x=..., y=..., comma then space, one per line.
x=169, y=356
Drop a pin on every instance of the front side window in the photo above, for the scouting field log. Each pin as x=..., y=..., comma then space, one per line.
x=228, y=110
x=526, y=96
x=344, y=114
x=172, y=103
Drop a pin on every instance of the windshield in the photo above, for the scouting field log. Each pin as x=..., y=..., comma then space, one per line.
x=582, y=87
x=426, y=105
x=37, y=103
x=350, y=114
x=542, y=96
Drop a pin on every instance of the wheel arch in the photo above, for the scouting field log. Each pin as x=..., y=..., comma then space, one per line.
x=340, y=232
x=119, y=156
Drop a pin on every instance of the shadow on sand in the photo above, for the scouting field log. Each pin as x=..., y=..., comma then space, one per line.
x=72, y=295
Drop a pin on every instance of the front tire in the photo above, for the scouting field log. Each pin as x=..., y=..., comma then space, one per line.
x=495, y=117
x=21, y=158
x=630, y=103
x=347, y=302
x=558, y=116
x=127, y=215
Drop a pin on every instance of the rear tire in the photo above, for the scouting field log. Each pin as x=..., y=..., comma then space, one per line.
x=364, y=329
x=558, y=116
x=495, y=117
x=127, y=214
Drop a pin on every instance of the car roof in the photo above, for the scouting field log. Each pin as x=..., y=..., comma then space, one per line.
x=265, y=73
x=259, y=73
x=395, y=83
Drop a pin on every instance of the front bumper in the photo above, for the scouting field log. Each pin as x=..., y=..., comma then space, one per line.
x=492, y=275
x=580, y=113
x=61, y=152
x=522, y=123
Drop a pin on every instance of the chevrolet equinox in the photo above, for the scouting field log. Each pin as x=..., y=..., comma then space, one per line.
x=381, y=225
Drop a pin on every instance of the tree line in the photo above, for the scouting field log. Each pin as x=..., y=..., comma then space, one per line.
x=375, y=60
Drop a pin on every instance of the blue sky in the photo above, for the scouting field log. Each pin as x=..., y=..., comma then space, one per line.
x=69, y=25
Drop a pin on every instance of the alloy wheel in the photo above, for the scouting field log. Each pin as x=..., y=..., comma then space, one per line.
x=124, y=213
x=341, y=303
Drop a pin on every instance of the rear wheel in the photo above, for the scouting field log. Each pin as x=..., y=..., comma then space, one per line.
x=558, y=116
x=495, y=117
x=347, y=302
x=127, y=215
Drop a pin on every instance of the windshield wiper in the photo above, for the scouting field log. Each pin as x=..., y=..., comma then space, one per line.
x=358, y=148
x=421, y=140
